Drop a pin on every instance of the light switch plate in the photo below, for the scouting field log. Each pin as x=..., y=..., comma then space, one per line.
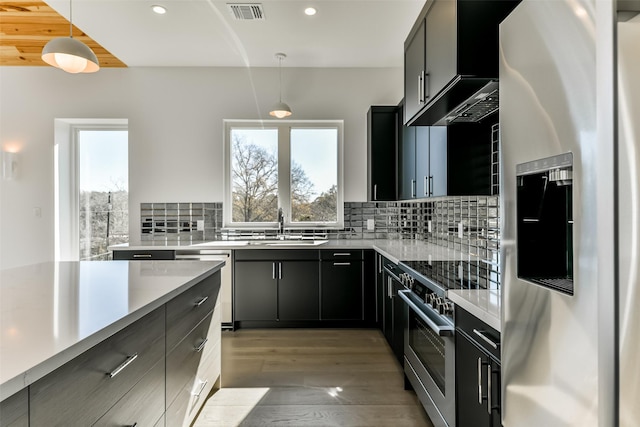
x=371, y=224
x=200, y=225
x=429, y=228
x=460, y=230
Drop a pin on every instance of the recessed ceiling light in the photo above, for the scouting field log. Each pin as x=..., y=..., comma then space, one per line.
x=160, y=10
x=310, y=11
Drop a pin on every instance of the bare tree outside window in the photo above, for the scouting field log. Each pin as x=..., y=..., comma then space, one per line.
x=312, y=169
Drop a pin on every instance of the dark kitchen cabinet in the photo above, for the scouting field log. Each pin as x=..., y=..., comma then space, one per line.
x=79, y=392
x=144, y=255
x=477, y=372
x=423, y=162
x=342, y=287
x=381, y=286
x=276, y=286
x=394, y=312
x=450, y=53
x=414, y=72
x=382, y=138
x=14, y=410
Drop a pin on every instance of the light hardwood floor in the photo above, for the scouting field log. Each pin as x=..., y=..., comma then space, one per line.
x=310, y=377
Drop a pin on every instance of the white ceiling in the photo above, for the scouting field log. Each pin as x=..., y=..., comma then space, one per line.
x=344, y=33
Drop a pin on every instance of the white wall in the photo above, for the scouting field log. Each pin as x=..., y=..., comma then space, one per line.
x=175, y=131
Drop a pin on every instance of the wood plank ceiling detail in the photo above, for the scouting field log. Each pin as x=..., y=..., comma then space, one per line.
x=27, y=25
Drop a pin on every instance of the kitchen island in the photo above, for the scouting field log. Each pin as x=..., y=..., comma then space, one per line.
x=52, y=315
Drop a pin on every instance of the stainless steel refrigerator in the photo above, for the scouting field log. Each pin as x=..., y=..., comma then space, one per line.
x=570, y=189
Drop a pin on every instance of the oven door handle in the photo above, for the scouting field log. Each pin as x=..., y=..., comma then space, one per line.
x=441, y=330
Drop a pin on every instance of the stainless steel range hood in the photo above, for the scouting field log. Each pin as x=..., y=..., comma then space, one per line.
x=463, y=100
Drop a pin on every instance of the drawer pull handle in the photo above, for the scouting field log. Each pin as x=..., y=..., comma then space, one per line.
x=342, y=254
x=341, y=263
x=486, y=339
x=128, y=361
x=203, y=384
x=199, y=303
x=142, y=255
x=199, y=348
x=133, y=425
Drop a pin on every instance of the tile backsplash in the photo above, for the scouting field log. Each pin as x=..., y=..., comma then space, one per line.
x=469, y=224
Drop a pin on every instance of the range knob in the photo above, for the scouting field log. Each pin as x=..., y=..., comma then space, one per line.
x=437, y=302
x=430, y=298
x=446, y=308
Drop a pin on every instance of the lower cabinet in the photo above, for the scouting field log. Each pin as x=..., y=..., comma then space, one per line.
x=84, y=389
x=342, y=290
x=310, y=288
x=276, y=286
x=156, y=371
x=14, y=411
x=477, y=372
x=393, y=312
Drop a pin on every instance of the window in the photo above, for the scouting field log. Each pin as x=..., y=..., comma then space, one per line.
x=295, y=166
x=91, y=188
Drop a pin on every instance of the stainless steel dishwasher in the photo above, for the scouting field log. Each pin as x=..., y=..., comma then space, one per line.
x=226, y=278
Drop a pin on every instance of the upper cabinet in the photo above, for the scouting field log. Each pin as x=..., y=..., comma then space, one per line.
x=382, y=136
x=451, y=61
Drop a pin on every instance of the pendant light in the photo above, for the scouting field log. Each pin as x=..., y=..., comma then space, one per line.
x=280, y=110
x=69, y=54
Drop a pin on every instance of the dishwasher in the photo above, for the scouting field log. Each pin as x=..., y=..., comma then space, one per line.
x=226, y=279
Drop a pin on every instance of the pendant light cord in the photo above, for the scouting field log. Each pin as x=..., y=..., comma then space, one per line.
x=280, y=74
x=70, y=20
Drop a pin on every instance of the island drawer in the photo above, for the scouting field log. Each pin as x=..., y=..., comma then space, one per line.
x=188, y=309
x=83, y=389
x=143, y=405
x=183, y=361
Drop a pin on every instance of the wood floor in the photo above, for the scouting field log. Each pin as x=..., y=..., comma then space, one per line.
x=310, y=377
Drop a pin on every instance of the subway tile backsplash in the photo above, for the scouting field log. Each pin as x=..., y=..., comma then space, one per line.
x=469, y=224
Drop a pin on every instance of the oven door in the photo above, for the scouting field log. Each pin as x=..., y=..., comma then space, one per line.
x=430, y=359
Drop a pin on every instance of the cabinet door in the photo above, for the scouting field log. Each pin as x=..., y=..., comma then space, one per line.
x=400, y=322
x=422, y=162
x=438, y=160
x=255, y=290
x=408, y=163
x=471, y=385
x=414, y=60
x=342, y=294
x=381, y=288
x=382, y=136
x=14, y=410
x=441, y=47
x=388, y=310
x=298, y=290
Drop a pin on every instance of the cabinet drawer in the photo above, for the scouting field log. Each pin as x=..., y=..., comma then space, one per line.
x=14, y=410
x=341, y=254
x=183, y=361
x=144, y=255
x=188, y=309
x=276, y=254
x=469, y=324
x=82, y=390
x=143, y=405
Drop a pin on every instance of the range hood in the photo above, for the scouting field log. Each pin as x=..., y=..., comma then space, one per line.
x=463, y=100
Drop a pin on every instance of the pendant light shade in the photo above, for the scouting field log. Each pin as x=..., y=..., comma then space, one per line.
x=280, y=109
x=69, y=54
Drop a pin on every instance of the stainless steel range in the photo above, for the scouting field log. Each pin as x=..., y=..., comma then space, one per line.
x=429, y=345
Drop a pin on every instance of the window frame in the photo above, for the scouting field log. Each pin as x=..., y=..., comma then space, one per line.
x=66, y=181
x=284, y=172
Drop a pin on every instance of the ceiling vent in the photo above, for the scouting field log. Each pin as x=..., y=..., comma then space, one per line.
x=246, y=11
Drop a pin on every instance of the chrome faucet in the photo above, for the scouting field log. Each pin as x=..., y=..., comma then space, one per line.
x=280, y=221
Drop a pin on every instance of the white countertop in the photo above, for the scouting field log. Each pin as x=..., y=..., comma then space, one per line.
x=53, y=312
x=395, y=250
x=482, y=303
